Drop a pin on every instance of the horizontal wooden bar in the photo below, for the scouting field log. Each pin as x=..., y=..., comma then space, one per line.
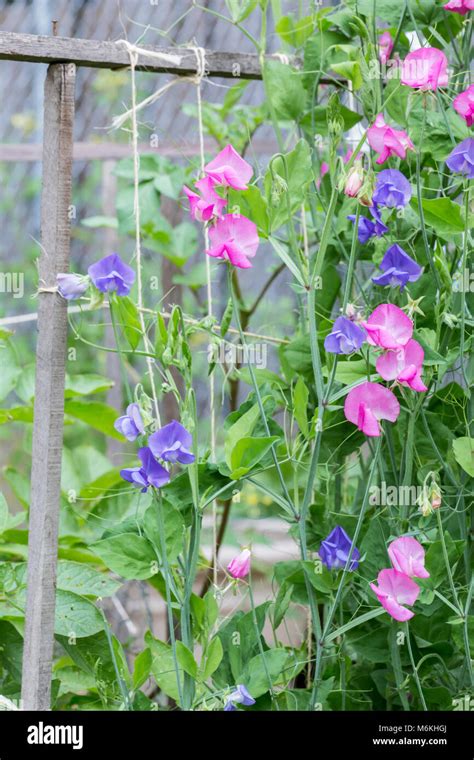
x=114, y=55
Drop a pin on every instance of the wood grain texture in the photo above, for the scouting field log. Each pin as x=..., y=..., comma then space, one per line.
x=49, y=388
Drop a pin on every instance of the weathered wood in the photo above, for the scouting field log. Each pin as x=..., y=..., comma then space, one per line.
x=114, y=55
x=49, y=388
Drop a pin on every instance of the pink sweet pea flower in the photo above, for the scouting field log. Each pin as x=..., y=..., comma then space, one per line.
x=388, y=327
x=354, y=180
x=239, y=567
x=385, y=47
x=425, y=69
x=230, y=169
x=404, y=365
x=408, y=556
x=464, y=104
x=388, y=141
x=394, y=590
x=234, y=238
x=203, y=207
x=368, y=403
x=459, y=6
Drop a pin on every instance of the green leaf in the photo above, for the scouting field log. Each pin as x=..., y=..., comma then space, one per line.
x=94, y=222
x=253, y=205
x=282, y=602
x=128, y=320
x=127, y=554
x=442, y=214
x=242, y=428
x=240, y=9
x=142, y=668
x=288, y=185
x=214, y=657
x=10, y=371
x=463, y=449
x=287, y=260
x=99, y=416
x=16, y=414
x=85, y=580
x=284, y=90
x=247, y=452
x=186, y=659
x=255, y=676
x=76, y=616
x=174, y=527
x=300, y=405
x=355, y=622
x=84, y=385
x=163, y=668
x=295, y=32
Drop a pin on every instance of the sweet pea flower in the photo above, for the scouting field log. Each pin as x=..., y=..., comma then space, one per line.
x=461, y=158
x=366, y=228
x=335, y=549
x=388, y=141
x=367, y=404
x=203, y=207
x=397, y=268
x=394, y=590
x=71, y=286
x=425, y=69
x=239, y=567
x=151, y=473
x=388, y=327
x=392, y=189
x=408, y=556
x=404, y=365
x=229, y=169
x=354, y=181
x=385, y=47
x=240, y=696
x=345, y=337
x=459, y=6
x=130, y=424
x=172, y=443
x=112, y=274
x=234, y=238
x=464, y=104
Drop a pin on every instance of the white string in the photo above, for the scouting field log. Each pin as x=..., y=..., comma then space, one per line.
x=200, y=73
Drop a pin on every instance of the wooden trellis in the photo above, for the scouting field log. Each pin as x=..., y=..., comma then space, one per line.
x=63, y=56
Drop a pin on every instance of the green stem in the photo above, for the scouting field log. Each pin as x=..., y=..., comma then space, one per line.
x=415, y=671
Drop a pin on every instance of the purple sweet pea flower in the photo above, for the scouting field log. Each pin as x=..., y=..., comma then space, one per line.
x=71, y=286
x=131, y=424
x=334, y=550
x=367, y=228
x=151, y=473
x=345, y=337
x=111, y=273
x=392, y=189
x=239, y=696
x=461, y=158
x=172, y=443
x=398, y=268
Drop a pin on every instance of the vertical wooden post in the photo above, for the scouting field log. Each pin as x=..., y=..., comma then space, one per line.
x=49, y=389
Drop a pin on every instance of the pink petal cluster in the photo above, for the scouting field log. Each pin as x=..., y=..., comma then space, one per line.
x=396, y=586
x=367, y=404
x=425, y=69
x=207, y=205
x=388, y=327
x=229, y=169
x=388, y=141
x=464, y=103
x=403, y=365
x=239, y=567
x=459, y=6
x=235, y=239
x=385, y=47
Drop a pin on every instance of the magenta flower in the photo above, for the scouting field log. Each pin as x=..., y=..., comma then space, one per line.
x=398, y=268
x=111, y=273
x=203, y=207
x=385, y=47
x=404, y=365
x=394, y=590
x=172, y=443
x=392, y=189
x=345, y=337
x=464, y=104
x=459, y=6
x=131, y=424
x=230, y=169
x=239, y=567
x=71, y=286
x=367, y=404
x=388, y=141
x=151, y=473
x=234, y=238
x=408, y=556
x=425, y=69
x=388, y=327
x=461, y=158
